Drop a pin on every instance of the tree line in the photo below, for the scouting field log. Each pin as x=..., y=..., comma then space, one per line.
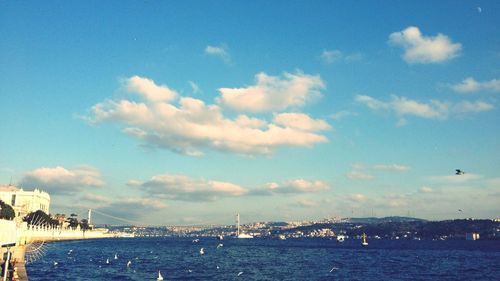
x=40, y=218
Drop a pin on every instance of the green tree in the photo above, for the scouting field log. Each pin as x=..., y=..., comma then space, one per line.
x=40, y=218
x=84, y=224
x=6, y=211
x=73, y=221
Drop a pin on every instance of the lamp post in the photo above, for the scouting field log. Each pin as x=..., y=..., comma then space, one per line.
x=7, y=261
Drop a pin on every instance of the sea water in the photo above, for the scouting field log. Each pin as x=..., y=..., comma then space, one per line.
x=267, y=259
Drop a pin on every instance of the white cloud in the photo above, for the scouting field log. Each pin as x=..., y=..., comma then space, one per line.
x=456, y=179
x=358, y=198
x=273, y=93
x=218, y=51
x=300, y=121
x=392, y=167
x=358, y=175
x=371, y=102
x=193, y=126
x=424, y=49
x=433, y=109
x=343, y=114
x=148, y=89
x=425, y=189
x=96, y=198
x=131, y=210
x=59, y=180
x=298, y=186
x=469, y=85
x=467, y=106
x=331, y=56
x=180, y=187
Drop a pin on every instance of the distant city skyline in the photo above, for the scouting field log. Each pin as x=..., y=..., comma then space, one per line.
x=188, y=113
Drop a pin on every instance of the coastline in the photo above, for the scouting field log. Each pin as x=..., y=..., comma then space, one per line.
x=15, y=236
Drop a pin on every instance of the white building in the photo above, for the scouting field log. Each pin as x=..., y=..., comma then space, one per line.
x=25, y=202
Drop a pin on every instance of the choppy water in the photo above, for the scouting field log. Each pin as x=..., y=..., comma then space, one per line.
x=264, y=259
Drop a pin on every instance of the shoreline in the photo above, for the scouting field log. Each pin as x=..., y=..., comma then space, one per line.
x=15, y=236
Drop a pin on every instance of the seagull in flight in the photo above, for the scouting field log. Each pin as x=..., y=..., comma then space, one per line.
x=459, y=172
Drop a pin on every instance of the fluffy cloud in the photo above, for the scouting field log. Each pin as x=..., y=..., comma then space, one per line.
x=297, y=186
x=424, y=49
x=272, y=93
x=456, y=179
x=358, y=170
x=469, y=85
x=357, y=198
x=130, y=210
x=467, y=106
x=300, y=121
x=425, y=189
x=433, y=109
x=218, y=51
x=392, y=167
x=149, y=90
x=193, y=126
x=59, y=180
x=180, y=187
x=331, y=56
x=358, y=175
x=343, y=114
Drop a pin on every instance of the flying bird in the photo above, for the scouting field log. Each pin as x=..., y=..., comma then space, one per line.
x=333, y=268
x=459, y=172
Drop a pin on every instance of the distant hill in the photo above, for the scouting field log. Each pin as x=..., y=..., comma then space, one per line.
x=370, y=220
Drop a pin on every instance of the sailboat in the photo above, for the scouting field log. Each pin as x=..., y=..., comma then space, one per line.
x=159, y=276
x=238, y=233
x=364, y=243
x=340, y=238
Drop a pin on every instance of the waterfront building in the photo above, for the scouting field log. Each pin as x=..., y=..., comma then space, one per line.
x=472, y=236
x=24, y=202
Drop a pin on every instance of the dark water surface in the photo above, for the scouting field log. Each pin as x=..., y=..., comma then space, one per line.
x=265, y=259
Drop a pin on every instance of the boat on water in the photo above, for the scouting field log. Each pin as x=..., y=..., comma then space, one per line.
x=364, y=242
x=281, y=237
x=220, y=237
x=340, y=238
x=240, y=234
x=159, y=276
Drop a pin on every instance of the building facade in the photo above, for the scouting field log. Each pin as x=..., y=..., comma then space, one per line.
x=25, y=202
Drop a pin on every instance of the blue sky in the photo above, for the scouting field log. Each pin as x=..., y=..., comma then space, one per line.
x=186, y=113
